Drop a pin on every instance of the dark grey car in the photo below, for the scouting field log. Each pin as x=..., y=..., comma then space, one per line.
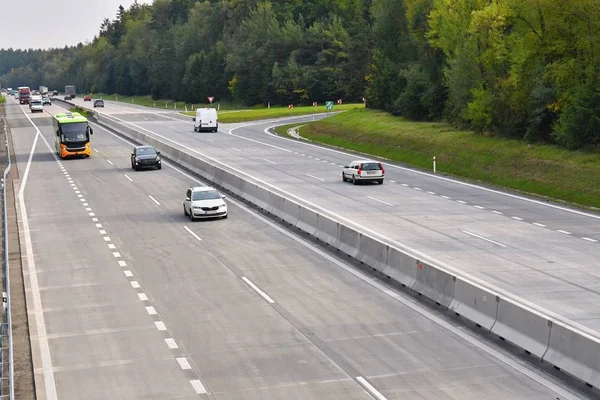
x=145, y=157
x=99, y=103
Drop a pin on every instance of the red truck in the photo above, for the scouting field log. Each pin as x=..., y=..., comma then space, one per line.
x=24, y=95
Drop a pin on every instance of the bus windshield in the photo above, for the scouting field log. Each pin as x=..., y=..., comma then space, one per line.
x=74, y=132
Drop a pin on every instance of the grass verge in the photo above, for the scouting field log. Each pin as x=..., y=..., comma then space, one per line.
x=2, y=99
x=277, y=112
x=546, y=170
x=147, y=101
x=81, y=111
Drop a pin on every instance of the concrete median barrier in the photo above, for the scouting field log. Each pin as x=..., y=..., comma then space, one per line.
x=401, y=267
x=327, y=230
x=434, y=283
x=474, y=303
x=372, y=253
x=575, y=353
x=523, y=327
x=348, y=240
x=307, y=220
x=567, y=348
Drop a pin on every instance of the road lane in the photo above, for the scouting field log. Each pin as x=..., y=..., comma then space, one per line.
x=326, y=326
x=96, y=330
x=531, y=264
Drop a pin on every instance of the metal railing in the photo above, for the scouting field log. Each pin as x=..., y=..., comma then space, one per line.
x=7, y=389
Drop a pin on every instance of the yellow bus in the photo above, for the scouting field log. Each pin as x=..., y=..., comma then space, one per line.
x=72, y=135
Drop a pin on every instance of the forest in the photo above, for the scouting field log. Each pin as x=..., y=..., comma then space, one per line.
x=526, y=69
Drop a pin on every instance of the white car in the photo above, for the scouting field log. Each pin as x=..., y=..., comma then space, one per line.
x=204, y=202
x=36, y=105
x=363, y=171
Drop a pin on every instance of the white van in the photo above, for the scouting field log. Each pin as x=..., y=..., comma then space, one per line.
x=206, y=120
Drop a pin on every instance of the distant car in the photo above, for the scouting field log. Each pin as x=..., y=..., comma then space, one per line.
x=87, y=98
x=363, y=171
x=98, y=103
x=204, y=202
x=55, y=93
x=67, y=97
x=46, y=100
x=145, y=157
x=36, y=105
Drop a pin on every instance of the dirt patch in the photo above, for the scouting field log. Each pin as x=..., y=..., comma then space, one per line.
x=23, y=366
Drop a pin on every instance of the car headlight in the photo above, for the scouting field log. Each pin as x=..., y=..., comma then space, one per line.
x=223, y=205
x=137, y=159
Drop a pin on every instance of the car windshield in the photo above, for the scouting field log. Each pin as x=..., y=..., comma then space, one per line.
x=206, y=195
x=98, y=101
x=146, y=151
x=371, y=166
x=74, y=132
x=36, y=102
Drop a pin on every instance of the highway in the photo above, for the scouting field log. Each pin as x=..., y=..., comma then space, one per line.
x=543, y=253
x=133, y=301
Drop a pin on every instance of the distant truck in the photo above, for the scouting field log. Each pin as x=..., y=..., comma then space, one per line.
x=24, y=95
x=70, y=91
x=43, y=90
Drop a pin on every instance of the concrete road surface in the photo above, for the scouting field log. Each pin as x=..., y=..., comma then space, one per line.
x=131, y=300
x=546, y=254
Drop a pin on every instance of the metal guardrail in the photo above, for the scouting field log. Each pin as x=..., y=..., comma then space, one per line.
x=7, y=388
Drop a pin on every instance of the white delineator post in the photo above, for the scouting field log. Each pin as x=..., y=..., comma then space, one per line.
x=434, y=164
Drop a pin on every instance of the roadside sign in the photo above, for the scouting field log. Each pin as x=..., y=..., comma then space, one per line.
x=291, y=106
x=314, y=103
x=339, y=101
x=210, y=99
x=329, y=104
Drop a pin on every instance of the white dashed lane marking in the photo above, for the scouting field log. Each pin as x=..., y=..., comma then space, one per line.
x=135, y=284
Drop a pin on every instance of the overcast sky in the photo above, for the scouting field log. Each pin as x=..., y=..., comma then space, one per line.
x=54, y=23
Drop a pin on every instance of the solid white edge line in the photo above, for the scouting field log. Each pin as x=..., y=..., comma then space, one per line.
x=198, y=387
x=483, y=238
x=409, y=303
x=257, y=290
x=154, y=200
x=46, y=358
x=369, y=388
x=381, y=201
x=188, y=230
x=315, y=177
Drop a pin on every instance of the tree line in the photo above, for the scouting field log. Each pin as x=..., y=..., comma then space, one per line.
x=524, y=69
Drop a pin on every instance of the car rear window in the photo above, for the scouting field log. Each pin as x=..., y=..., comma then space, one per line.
x=371, y=166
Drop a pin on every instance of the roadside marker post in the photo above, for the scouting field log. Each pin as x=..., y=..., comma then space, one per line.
x=434, y=164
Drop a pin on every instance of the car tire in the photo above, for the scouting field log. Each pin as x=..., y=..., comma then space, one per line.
x=185, y=211
x=225, y=216
x=380, y=181
x=191, y=217
x=354, y=181
x=343, y=177
x=159, y=167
